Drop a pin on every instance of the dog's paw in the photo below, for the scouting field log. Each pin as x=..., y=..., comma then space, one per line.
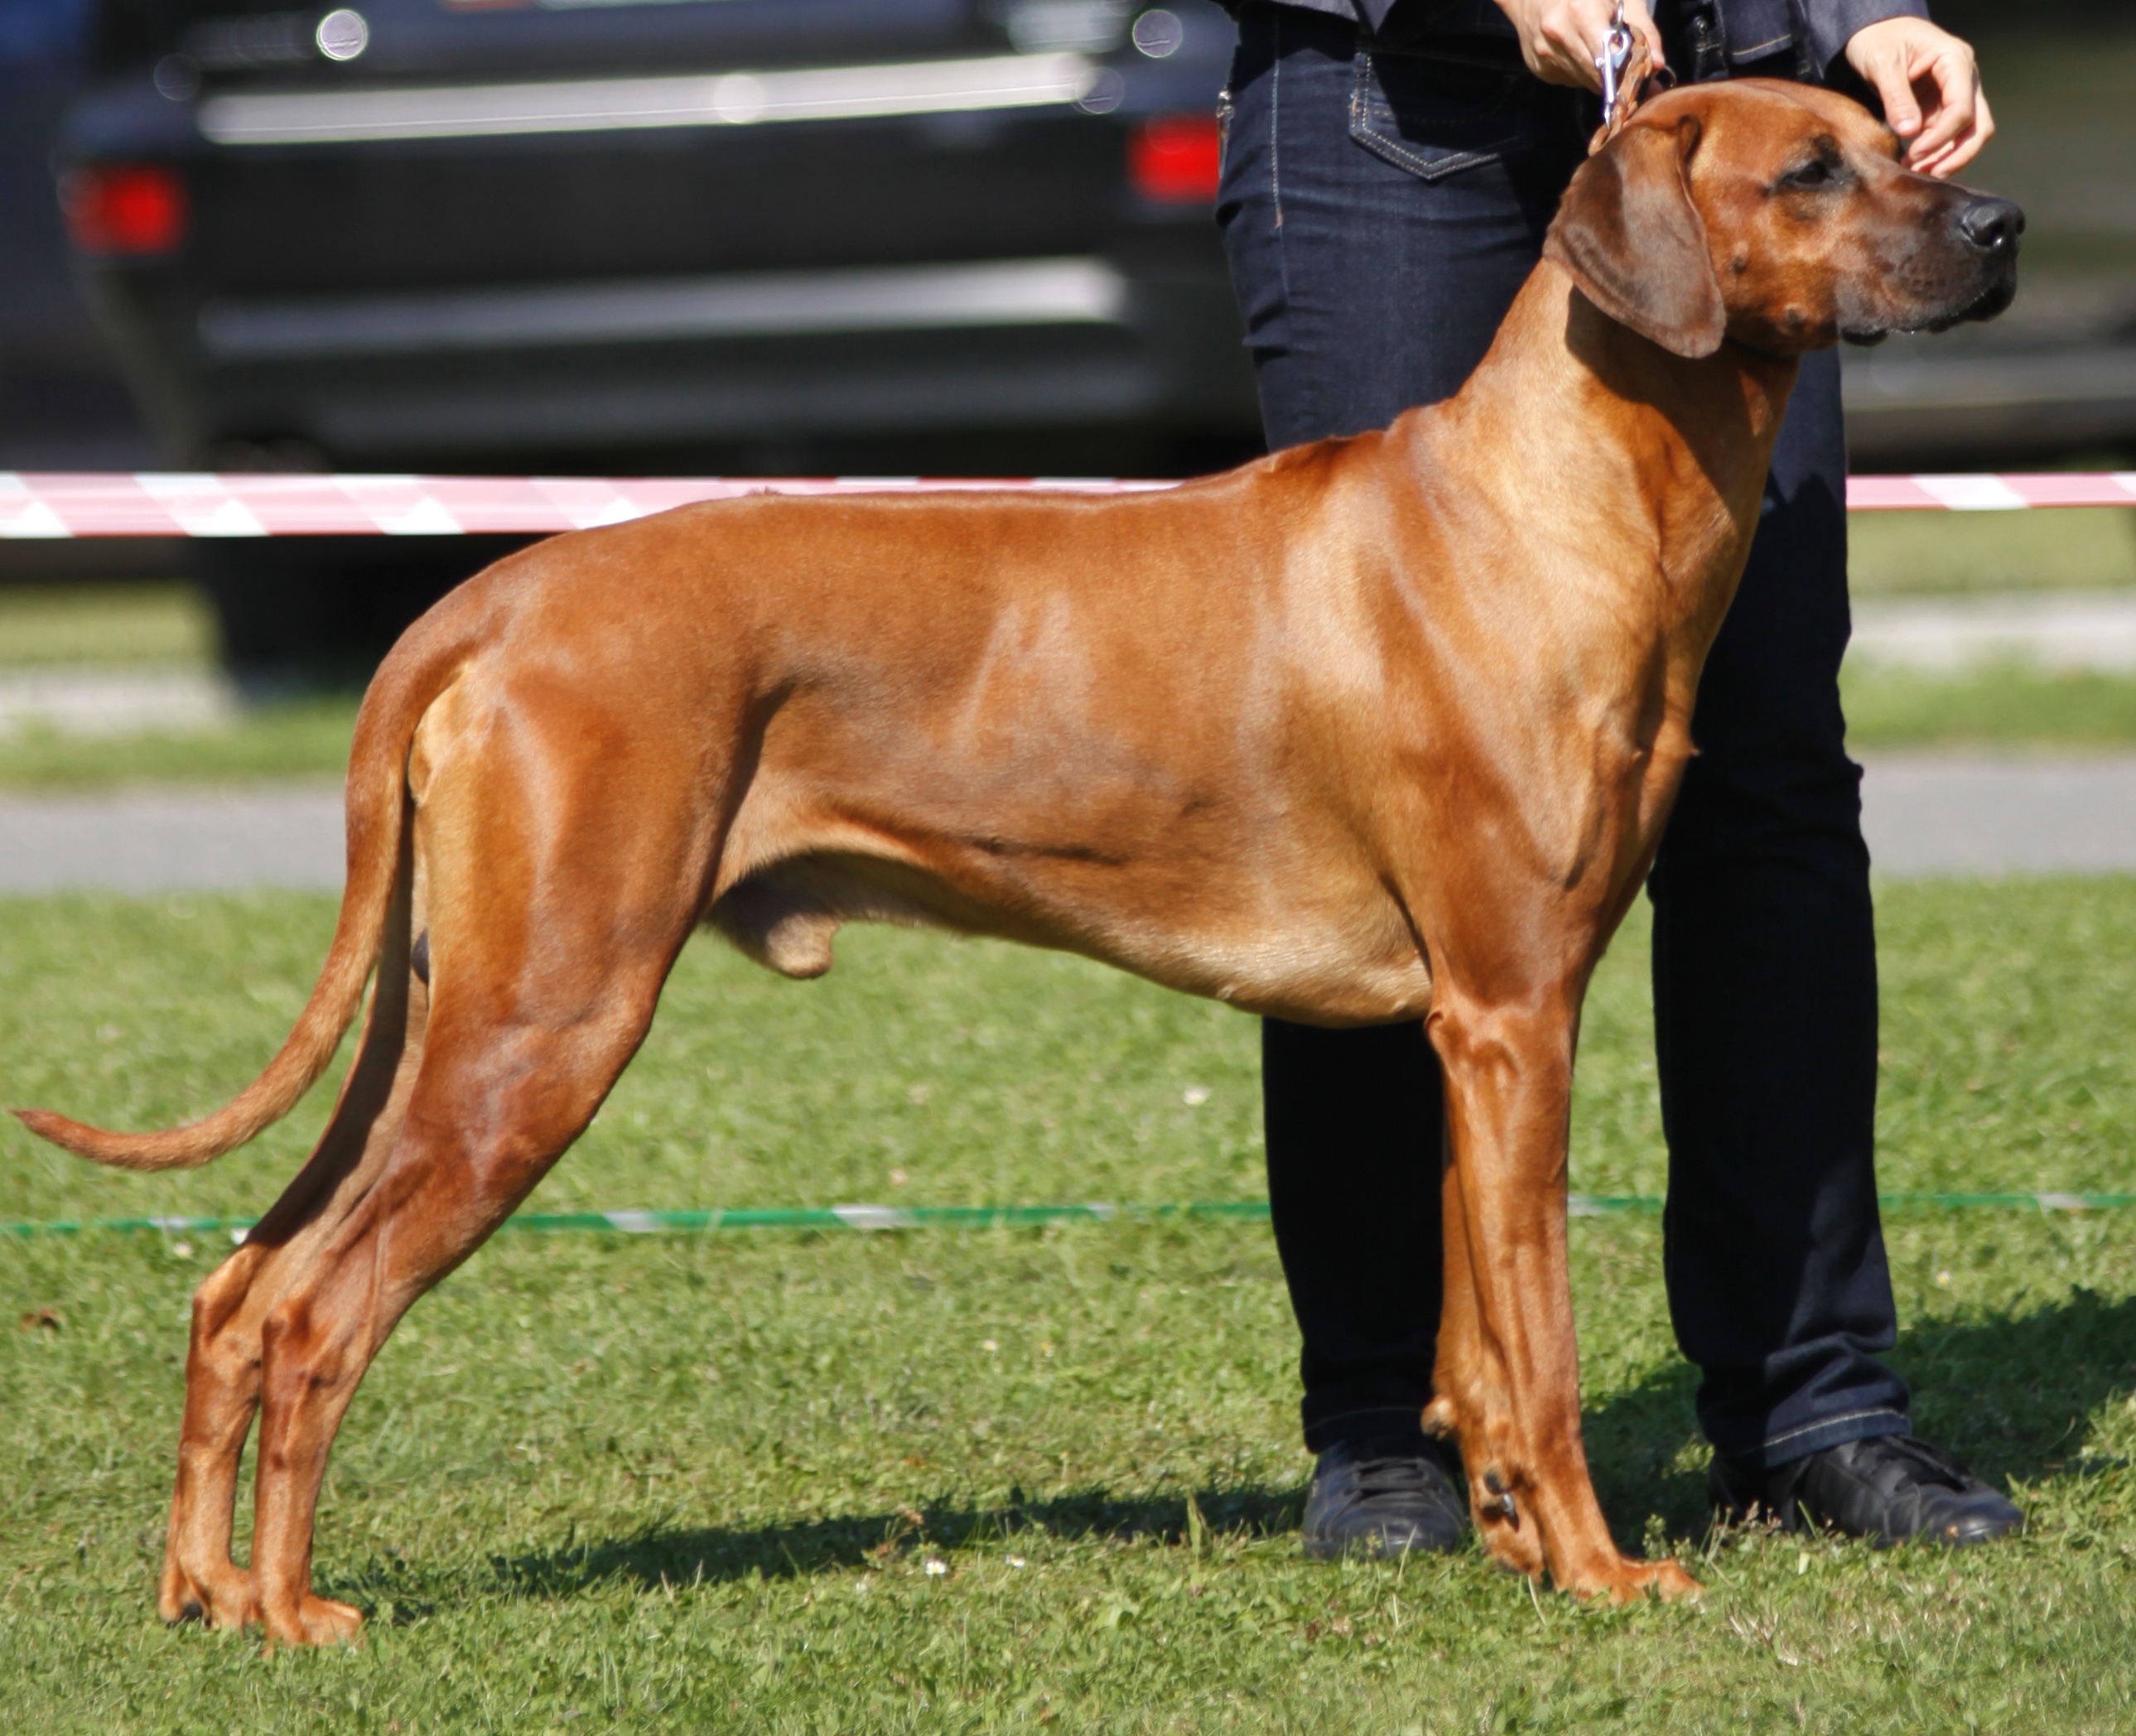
x=1671, y=1582
x=222, y=1600
x=315, y=1622
x=1665, y=1580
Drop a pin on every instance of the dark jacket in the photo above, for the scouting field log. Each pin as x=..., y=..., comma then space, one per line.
x=1811, y=32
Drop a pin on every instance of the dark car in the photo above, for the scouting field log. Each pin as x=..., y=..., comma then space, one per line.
x=909, y=236
x=755, y=234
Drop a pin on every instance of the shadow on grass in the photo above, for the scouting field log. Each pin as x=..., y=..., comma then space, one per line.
x=812, y=1546
x=2007, y=1393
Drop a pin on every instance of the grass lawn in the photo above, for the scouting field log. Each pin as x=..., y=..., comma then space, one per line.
x=1996, y=705
x=152, y=625
x=1938, y=553
x=691, y=1483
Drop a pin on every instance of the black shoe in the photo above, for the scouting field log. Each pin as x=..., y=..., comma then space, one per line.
x=1385, y=1496
x=1890, y=1488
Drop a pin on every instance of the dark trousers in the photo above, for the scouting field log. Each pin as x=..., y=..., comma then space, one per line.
x=1380, y=210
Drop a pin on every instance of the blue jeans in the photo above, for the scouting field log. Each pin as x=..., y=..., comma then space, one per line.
x=1380, y=210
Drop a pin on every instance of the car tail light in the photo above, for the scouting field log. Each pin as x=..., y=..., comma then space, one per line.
x=125, y=207
x=1177, y=160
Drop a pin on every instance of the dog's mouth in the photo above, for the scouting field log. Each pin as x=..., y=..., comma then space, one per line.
x=1990, y=302
x=1994, y=298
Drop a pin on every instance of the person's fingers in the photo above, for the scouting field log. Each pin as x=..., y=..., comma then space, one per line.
x=1950, y=115
x=1643, y=25
x=1929, y=82
x=1564, y=57
x=1547, y=46
x=1887, y=73
x=1576, y=31
x=1962, y=150
x=1929, y=165
x=1563, y=40
x=1965, y=149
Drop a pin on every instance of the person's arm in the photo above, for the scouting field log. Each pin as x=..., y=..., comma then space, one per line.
x=1826, y=27
x=1927, y=78
x=1561, y=39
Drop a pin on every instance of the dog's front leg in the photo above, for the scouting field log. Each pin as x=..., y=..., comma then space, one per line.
x=1508, y=1362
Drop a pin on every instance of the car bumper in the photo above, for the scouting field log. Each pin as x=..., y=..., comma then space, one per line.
x=460, y=376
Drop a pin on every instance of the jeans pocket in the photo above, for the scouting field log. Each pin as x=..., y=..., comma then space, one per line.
x=1435, y=117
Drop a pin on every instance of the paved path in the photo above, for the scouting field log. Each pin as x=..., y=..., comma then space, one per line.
x=1926, y=814
x=2054, y=629
x=171, y=840
x=79, y=701
x=1944, y=813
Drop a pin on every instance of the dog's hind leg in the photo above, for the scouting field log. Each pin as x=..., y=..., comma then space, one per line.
x=559, y=895
x=229, y=1309
x=494, y=1108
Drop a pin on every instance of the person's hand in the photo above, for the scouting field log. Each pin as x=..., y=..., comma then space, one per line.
x=1562, y=39
x=1929, y=85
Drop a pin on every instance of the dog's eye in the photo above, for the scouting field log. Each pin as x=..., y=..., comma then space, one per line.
x=1813, y=174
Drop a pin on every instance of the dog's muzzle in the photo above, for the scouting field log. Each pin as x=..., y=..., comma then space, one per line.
x=1990, y=228
x=1982, y=246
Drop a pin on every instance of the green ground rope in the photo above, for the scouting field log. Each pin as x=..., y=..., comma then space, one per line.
x=990, y=1217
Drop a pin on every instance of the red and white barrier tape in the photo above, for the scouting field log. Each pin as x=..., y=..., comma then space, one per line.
x=151, y=503
x=1989, y=493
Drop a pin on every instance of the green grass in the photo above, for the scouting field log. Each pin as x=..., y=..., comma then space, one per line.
x=2013, y=704
x=305, y=737
x=151, y=626
x=2005, y=705
x=695, y=1483
x=1938, y=553
x=167, y=622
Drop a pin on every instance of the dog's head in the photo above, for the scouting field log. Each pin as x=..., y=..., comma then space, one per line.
x=1779, y=216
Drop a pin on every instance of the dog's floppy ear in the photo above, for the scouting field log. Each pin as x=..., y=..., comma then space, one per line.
x=1635, y=243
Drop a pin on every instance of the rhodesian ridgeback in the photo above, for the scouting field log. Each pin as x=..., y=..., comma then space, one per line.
x=1378, y=729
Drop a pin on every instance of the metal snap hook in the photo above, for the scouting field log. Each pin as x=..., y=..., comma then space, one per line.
x=1616, y=56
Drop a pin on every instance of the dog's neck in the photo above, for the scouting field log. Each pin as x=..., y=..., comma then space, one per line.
x=1653, y=463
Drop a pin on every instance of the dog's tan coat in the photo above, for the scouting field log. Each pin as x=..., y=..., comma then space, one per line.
x=1376, y=729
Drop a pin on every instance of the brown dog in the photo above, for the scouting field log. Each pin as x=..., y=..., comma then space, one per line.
x=1378, y=729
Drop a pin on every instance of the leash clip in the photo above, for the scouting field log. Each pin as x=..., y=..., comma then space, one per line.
x=1616, y=55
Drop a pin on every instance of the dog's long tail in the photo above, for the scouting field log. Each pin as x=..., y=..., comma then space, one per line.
x=420, y=668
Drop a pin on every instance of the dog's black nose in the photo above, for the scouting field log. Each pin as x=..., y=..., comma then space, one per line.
x=1992, y=225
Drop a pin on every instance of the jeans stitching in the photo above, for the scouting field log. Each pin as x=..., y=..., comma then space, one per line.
x=1852, y=1416
x=1275, y=111
x=1390, y=150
